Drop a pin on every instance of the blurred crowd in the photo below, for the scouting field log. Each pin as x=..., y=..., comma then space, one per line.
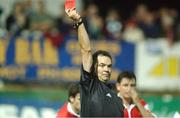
x=143, y=23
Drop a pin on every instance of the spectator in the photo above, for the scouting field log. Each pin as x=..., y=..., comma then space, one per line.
x=28, y=7
x=132, y=32
x=147, y=22
x=17, y=21
x=40, y=20
x=64, y=24
x=167, y=20
x=1, y=12
x=113, y=25
x=93, y=22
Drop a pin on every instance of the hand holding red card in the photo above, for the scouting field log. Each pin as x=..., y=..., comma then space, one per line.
x=70, y=4
x=70, y=9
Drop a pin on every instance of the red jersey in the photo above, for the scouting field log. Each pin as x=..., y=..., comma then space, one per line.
x=133, y=111
x=66, y=112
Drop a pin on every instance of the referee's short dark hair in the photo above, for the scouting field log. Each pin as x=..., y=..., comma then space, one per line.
x=126, y=74
x=73, y=90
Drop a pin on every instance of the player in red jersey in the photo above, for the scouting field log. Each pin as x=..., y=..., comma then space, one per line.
x=71, y=108
x=134, y=106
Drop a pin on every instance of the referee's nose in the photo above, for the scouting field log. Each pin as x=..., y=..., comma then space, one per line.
x=107, y=68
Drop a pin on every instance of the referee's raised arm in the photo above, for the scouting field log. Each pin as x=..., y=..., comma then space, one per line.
x=83, y=39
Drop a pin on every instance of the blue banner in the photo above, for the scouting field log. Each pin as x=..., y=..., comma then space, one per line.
x=35, y=58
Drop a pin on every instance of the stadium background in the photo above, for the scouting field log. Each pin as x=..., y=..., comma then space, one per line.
x=35, y=72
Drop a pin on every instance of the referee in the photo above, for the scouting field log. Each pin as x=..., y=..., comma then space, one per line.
x=97, y=98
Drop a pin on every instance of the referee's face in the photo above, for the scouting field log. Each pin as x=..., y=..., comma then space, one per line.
x=104, y=68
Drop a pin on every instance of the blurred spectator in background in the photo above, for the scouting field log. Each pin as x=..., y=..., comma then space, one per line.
x=2, y=30
x=134, y=106
x=1, y=11
x=17, y=21
x=55, y=37
x=147, y=22
x=71, y=109
x=43, y=23
x=113, y=25
x=40, y=19
x=177, y=31
x=168, y=18
x=64, y=24
x=29, y=10
x=132, y=33
x=176, y=25
x=94, y=22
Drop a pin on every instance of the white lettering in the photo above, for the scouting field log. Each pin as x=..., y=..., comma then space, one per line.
x=29, y=112
x=8, y=111
x=47, y=113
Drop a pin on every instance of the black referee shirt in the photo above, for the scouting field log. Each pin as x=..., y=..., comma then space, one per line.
x=97, y=99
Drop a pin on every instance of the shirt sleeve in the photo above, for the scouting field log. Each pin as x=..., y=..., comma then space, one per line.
x=85, y=81
x=85, y=76
x=146, y=106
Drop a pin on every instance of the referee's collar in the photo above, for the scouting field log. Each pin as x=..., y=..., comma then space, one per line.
x=110, y=85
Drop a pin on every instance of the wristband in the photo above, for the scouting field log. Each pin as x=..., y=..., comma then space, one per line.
x=76, y=25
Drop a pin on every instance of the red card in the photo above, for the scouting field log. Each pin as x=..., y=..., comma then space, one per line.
x=69, y=4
